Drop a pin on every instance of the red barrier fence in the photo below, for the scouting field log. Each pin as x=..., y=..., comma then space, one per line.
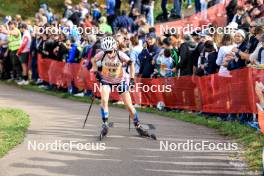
x=214, y=93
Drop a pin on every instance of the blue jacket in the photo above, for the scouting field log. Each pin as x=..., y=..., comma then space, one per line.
x=123, y=21
x=240, y=63
x=110, y=10
x=145, y=58
x=72, y=54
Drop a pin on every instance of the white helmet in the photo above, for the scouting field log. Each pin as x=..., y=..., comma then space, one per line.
x=108, y=44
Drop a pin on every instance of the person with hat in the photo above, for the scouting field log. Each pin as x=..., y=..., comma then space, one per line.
x=146, y=57
x=240, y=40
x=253, y=57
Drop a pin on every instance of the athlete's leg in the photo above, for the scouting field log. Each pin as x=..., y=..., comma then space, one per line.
x=133, y=114
x=132, y=111
x=105, y=92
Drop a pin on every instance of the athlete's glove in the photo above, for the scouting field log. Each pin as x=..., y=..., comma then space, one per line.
x=132, y=82
x=98, y=76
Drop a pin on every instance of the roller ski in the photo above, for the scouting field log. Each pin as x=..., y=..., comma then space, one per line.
x=104, y=131
x=145, y=133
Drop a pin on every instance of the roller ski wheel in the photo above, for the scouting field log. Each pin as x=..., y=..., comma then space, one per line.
x=104, y=132
x=144, y=133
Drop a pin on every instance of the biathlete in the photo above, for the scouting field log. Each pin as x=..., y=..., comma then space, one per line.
x=108, y=68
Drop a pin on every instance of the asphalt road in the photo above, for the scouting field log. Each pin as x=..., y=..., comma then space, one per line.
x=58, y=120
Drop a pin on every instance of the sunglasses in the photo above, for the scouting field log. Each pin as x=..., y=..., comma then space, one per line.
x=109, y=52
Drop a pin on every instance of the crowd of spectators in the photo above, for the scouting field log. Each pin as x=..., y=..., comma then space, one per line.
x=154, y=55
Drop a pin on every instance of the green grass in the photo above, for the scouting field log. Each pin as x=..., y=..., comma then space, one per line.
x=251, y=140
x=13, y=126
x=28, y=8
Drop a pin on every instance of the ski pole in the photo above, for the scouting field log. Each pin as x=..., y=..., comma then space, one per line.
x=93, y=98
x=129, y=122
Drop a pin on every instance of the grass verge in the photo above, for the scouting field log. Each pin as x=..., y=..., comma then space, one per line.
x=251, y=140
x=13, y=126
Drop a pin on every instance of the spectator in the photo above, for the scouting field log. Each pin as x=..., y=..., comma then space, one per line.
x=143, y=27
x=96, y=11
x=74, y=53
x=240, y=12
x=68, y=11
x=150, y=13
x=197, y=4
x=23, y=52
x=110, y=11
x=42, y=15
x=86, y=5
x=104, y=27
x=83, y=10
x=203, y=9
x=185, y=65
x=136, y=49
x=164, y=64
x=34, y=55
x=147, y=55
x=164, y=10
x=224, y=51
x=176, y=11
x=118, y=6
x=134, y=14
x=253, y=41
x=175, y=44
x=230, y=10
x=249, y=7
x=122, y=21
x=72, y=31
x=258, y=11
x=245, y=23
x=88, y=22
x=18, y=19
x=14, y=39
x=207, y=61
x=240, y=40
x=75, y=18
x=61, y=51
x=260, y=58
x=253, y=57
x=3, y=50
x=200, y=39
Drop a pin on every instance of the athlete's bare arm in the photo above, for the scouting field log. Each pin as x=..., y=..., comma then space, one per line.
x=95, y=68
x=132, y=70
